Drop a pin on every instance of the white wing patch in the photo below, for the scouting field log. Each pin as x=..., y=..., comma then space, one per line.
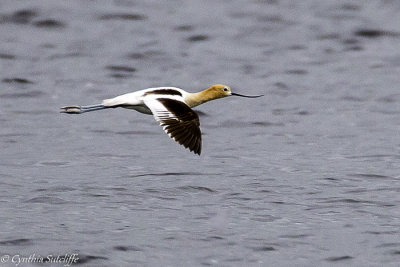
x=160, y=112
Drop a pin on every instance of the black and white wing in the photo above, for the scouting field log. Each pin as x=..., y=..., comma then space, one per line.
x=178, y=120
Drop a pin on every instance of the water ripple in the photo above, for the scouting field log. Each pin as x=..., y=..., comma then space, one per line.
x=339, y=258
x=17, y=80
x=47, y=200
x=196, y=188
x=84, y=259
x=126, y=248
x=168, y=174
x=375, y=33
x=123, y=16
x=17, y=242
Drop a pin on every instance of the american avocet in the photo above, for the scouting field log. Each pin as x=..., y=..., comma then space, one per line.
x=170, y=106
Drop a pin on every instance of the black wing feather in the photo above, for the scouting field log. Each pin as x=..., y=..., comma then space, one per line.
x=183, y=126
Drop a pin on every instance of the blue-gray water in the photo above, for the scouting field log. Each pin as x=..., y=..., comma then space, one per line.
x=308, y=175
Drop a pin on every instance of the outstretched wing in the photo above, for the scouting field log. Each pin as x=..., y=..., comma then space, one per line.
x=178, y=120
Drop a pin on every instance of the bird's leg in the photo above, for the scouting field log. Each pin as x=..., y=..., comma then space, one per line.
x=81, y=109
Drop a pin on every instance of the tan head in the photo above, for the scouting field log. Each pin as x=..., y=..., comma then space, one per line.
x=214, y=92
x=218, y=91
x=222, y=90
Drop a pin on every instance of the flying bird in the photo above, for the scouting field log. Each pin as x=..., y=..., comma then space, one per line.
x=170, y=106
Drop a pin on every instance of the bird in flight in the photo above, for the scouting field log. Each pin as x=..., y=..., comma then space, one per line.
x=170, y=106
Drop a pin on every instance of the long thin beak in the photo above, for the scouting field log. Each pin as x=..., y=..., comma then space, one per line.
x=249, y=96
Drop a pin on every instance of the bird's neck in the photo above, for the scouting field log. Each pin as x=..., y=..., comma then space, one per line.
x=195, y=99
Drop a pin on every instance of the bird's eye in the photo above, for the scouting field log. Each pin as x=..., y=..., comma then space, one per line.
x=226, y=89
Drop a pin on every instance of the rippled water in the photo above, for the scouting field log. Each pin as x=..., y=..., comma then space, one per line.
x=306, y=176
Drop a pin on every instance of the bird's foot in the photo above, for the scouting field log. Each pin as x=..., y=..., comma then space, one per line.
x=71, y=109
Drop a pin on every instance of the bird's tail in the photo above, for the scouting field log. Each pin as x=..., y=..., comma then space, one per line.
x=81, y=109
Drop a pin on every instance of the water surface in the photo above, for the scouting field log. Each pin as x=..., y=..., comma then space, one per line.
x=307, y=175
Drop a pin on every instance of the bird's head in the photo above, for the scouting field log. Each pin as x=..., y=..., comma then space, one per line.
x=221, y=90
